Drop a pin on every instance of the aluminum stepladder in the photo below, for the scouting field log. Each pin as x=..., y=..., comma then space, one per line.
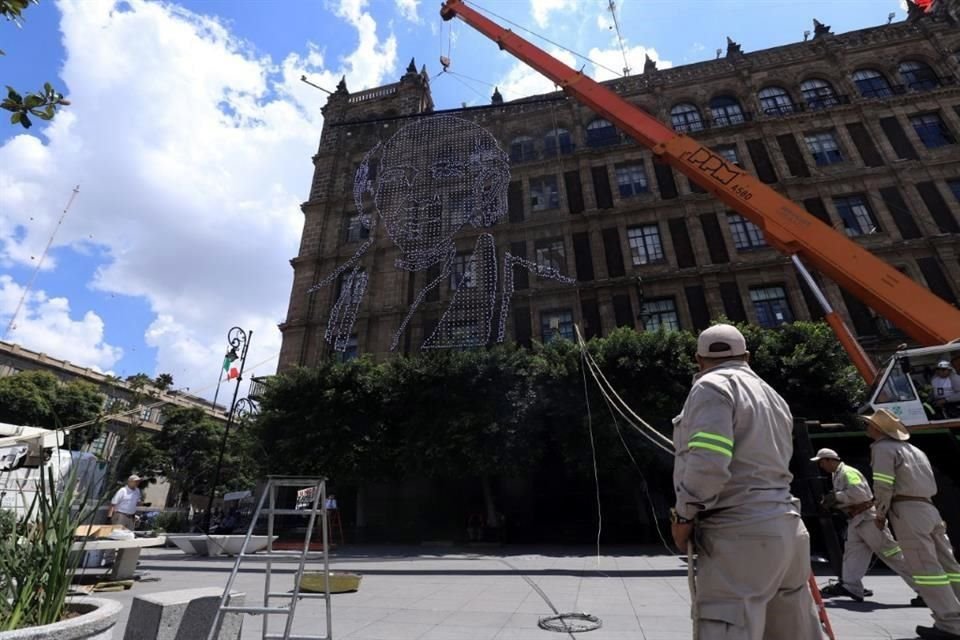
x=316, y=505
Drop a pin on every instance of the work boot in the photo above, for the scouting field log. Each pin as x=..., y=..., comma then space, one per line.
x=837, y=589
x=932, y=633
x=918, y=602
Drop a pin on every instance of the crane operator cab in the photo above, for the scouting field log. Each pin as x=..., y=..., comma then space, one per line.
x=920, y=386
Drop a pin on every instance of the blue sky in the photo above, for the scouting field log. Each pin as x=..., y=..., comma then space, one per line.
x=190, y=136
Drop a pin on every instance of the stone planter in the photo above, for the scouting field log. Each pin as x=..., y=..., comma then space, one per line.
x=96, y=621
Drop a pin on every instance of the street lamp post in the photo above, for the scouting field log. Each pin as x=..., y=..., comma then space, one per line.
x=237, y=338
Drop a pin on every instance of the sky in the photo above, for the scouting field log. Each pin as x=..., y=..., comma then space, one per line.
x=189, y=135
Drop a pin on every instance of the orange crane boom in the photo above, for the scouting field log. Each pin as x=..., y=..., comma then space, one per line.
x=787, y=226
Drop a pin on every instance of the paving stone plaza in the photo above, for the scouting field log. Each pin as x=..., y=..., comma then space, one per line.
x=422, y=593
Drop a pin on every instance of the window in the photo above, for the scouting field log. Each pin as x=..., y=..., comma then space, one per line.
x=544, y=193
x=872, y=84
x=557, y=141
x=660, y=314
x=521, y=149
x=351, y=350
x=955, y=188
x=356, y=229
x=685, y=117
x=464, y=272
x=857, y=217
x=818, y=94
x=771, y=306
x=726, y=111
x=931, y=130
x=551, y=254
x=918, y=75
x=746, y=235
x=645, y=245
x=631, y=180
x=775, y=101
x=823, y=147
x=729, y=153
x=601, y=133
x=556, y=324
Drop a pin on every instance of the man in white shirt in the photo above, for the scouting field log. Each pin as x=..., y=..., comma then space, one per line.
x=123, y=506
x=945, y=394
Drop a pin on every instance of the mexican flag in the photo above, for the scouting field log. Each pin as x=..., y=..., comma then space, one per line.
x=230, y=366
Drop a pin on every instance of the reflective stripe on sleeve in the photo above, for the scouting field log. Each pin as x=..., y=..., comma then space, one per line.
x=884, y=478
x=711, y=442
x=853, y=476
x=939, y=580
x=889, y=553
x=953, y=577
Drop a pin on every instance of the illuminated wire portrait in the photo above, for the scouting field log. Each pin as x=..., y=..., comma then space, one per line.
x=429, y=181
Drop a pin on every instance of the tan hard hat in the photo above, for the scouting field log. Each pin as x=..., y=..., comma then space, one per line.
x=887, y=423
x=825, y=454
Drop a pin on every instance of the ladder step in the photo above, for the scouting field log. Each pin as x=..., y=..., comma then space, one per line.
x=255, y=609
x=279, y=557
x=280, y=636
x=290, y=512
x=302, y=594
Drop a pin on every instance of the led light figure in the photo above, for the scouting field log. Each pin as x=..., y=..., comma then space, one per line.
x=434, y=177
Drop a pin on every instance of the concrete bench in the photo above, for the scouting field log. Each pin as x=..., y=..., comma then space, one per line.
x=184, y=614
x=216, y=545
x=128, y=553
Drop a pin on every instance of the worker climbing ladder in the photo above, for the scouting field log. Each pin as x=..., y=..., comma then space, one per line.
x=267, y=506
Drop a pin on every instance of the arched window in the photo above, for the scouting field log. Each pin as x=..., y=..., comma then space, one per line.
x=775, y=101
x=918, y=75
x=557, y=141
x=521, y=149
x=818, y=94
x=726, y=111
x=601, y=133
x=872, y=84
x=686, y=118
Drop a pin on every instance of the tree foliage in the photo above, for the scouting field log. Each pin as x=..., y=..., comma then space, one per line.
x=443, y=414
x=44, y=103
x=39, y=398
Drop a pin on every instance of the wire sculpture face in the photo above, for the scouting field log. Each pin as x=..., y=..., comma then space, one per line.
x=431, y=179
x=435, y=176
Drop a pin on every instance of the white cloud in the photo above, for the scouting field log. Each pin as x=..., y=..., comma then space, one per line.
x=521, y=81
x=193, y=156
x=44, y=324
x=408, y=9
x=612, y=59
x=541, y=9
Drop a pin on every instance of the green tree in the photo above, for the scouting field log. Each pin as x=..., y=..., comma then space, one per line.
x=39, y=398
x=42, y=104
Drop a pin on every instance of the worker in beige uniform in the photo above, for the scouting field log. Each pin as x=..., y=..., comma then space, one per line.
x=904, y=487
x=734, y=441
x=852, y=495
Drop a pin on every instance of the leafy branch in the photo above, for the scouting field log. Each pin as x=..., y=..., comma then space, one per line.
x=42, y=104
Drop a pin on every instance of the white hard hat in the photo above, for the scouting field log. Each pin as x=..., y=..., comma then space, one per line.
x=943, y=364
x=825, y=454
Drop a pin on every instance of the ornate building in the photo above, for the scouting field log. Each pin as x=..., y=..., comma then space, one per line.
x=861, y=128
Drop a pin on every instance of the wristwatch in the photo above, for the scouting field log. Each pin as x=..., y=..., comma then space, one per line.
x=676, y=518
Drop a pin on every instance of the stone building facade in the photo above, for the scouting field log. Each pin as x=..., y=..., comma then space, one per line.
x=861, y=128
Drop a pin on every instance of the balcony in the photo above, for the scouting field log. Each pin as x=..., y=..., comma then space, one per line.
x=258, y=387
x=781, y=110
x=731, y=119
x=826, y=102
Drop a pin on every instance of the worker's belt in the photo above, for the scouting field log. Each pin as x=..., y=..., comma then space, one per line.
x=706, y=513
x=857, y=509
x=911, y=499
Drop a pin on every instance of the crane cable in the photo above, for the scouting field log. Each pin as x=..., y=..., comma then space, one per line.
x=36, y=270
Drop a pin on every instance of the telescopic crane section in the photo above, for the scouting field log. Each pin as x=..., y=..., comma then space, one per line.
x=787, y=226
